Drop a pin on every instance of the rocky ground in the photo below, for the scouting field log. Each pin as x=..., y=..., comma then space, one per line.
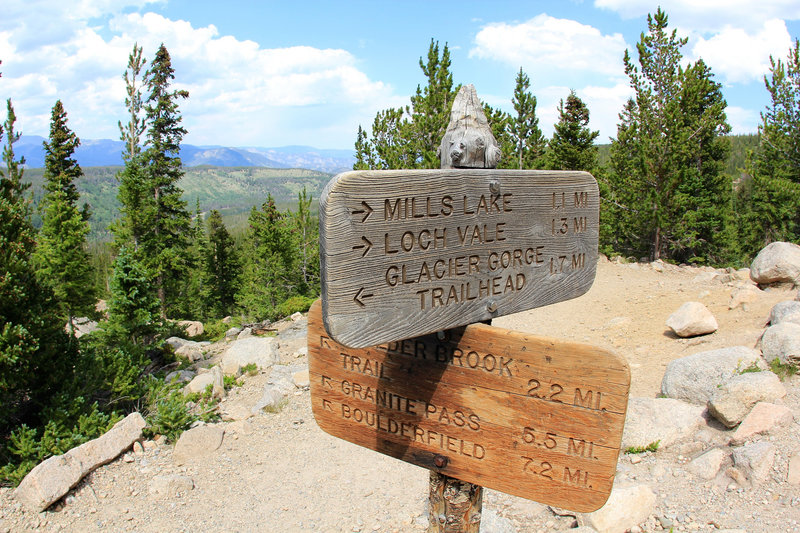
x=280, y=472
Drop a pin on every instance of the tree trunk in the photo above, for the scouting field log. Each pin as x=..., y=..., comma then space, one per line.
x=455, y=506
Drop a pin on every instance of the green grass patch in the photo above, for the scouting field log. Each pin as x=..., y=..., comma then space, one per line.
x=782, y=370
x=652, y=447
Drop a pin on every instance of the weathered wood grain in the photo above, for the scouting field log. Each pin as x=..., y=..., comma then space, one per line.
x=409, y=252
x=530, y=416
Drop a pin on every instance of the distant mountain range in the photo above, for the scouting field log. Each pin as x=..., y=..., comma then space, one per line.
x=105, y=152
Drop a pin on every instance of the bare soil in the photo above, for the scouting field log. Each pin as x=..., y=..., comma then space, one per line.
x=279, y=472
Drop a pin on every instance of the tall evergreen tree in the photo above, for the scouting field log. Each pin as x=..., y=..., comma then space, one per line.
x=774, y=195
x=666, y=154
x=34, y=353
x=572, y=146
x=430, y=107
x=129, y=229
x=222, y=267
x=61, y=256
x=528, y=139
x=166, y=219
x=306, y=230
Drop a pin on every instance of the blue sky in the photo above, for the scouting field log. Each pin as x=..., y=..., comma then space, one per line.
x=276, y=73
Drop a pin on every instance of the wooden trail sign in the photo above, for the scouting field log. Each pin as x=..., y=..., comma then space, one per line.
x=409, y=252
x=530, y=416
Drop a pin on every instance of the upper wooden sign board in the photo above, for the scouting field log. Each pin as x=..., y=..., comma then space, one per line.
x=534, y=417
x=410, y=252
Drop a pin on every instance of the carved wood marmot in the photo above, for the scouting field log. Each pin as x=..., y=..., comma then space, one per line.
x=468, y=141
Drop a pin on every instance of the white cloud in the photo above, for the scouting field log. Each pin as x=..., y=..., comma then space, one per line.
x=708, y=15
x=741, y=57
x=544, y=43
x=240, y=93
x=742, y=120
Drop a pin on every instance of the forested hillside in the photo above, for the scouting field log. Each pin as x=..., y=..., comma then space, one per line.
x=230, y=190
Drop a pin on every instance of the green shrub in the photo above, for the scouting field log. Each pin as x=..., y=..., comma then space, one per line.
x=166, y=411
x=251, y=369
x=782, y=370
x=295, y=304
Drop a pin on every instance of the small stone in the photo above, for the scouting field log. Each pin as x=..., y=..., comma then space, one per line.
x=128, y=458
x=138, y=449
x=707, y=465
x=635, y=459
x=793, y=477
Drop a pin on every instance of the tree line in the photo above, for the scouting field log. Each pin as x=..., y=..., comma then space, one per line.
x=58, y=390
x=666, y=192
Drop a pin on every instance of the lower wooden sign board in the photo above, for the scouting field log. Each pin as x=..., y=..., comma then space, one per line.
x=530, y=416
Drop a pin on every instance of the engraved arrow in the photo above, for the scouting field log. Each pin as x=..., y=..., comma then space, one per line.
x=367, y=211
x=357, y=298
x=367, y=245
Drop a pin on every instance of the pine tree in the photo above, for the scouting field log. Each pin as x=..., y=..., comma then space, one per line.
x=222, y=267
x=128, y=230
x=61, y=257
x=306, y=230
x=166, y=221
x=409, y=137
x=774, y=195
x=268, y=274
x=667, y=152
x=430, y=108
x=528, y=139
x=133, y=309
x=500, y=122
x=572, y=146
x=35, y=354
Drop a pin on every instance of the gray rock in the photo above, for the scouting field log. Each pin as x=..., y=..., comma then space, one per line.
x=782, y=342
x=692, y=319
x=244, y=351
x=54, y=477
x=176, y=342
x=232, y=332
x=244, y=333
x=695, y=378
x=83, y=326
x=755, y=460
x=192, y=328
x=627, y=507
x=491, y=522
x=213, y=378
x=659, y=419
x=788, y=311
x=743, y=296
x=776, y=263
x=197, y=442
x=271, y=400
x=191, y=350
x=734, y=399
x=170, y=485
x=181, y=376
x=707, y=465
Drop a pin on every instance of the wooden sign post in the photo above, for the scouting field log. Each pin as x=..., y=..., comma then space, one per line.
x=408, y=257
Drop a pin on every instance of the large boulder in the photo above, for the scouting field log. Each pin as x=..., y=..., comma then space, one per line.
x=763, y=418
x=627, y=507
x=260, y=351
x=782, y=342
x=788, y=311
x=696, y=377
x=734, y=399
x=198, y=442
x=54, y=477
x=662, y=420
x=202, y=381
x=692, y=319
x=755, y=460
x=192, y=328
x=778, y=262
